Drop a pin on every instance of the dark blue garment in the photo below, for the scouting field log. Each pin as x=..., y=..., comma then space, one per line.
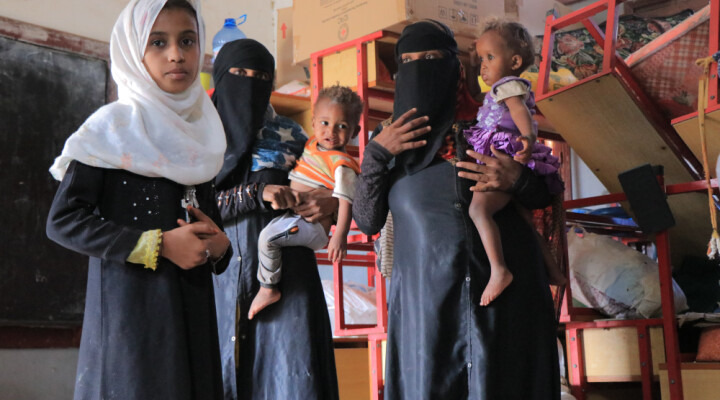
x=286, y=351
x=146, y=334
x=441, y=343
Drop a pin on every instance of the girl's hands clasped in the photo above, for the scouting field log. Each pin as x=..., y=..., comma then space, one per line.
x=401, y=134
x=193, y=244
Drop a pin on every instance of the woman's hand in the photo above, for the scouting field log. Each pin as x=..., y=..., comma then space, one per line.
x=213, y=243
x=185, y=246
x=280, y=197
x=399, y=136
x=498, y=173
x=316, y=204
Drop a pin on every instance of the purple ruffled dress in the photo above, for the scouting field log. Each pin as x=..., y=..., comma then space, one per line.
x=495, y=127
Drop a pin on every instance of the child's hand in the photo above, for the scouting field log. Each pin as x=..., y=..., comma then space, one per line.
x=337, y=248
x=316, y=204
x=523, y=156
x=280, y=197
x=184, y=245
x=217, y=242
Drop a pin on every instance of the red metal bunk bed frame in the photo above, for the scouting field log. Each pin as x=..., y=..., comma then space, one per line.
x=713, y=102
x=574, y=327
x=376, y=334
x=569, y=314
x=614, y=64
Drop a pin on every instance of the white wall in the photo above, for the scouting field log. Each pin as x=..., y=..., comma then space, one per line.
x=95, y=18
x=37, y=374
x=49, y=373
x=584, y=181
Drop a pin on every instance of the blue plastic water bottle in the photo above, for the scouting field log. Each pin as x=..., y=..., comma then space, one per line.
x=228, y=33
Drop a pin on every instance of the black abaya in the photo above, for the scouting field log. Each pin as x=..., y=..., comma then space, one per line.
x=441, y=343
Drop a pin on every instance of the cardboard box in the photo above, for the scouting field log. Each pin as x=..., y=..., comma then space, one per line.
x=285, y=69
x=320, y=24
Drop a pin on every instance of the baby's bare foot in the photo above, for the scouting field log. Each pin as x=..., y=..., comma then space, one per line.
x=500, y=278
x=263, y=298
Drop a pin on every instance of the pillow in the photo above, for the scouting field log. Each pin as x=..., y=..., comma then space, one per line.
x=615, y=279
x=709, y=346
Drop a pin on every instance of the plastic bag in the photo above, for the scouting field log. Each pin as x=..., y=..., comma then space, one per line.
x=615, y=279
x=359, y=302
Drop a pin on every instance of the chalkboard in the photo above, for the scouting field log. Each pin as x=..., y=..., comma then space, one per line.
x=45, y=95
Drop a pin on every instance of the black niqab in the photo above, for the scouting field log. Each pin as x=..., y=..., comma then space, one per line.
x=430, y=85
x=241, y=102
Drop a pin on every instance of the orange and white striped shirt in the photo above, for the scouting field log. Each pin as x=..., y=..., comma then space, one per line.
x=331, y=169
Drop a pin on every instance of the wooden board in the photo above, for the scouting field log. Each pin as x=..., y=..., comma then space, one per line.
x=384, y=357
x=604, y=125
x=287, y=104
x=341, y=68
x=699, y=380
x=296, y=108
x=45, y=95
x=689, y=131
x=612, y=354
x=353, y=373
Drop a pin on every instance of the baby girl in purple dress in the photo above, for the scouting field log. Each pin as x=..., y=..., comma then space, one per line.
x=505, y=122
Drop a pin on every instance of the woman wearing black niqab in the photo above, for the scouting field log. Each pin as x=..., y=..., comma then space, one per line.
x=241, y=102
x=441, y=343
x=285, y=352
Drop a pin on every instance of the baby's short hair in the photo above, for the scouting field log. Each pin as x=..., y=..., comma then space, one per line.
x=516, y=37
x=351, y=103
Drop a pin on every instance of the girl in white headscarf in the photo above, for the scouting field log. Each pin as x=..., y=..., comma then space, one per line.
x=134, y=179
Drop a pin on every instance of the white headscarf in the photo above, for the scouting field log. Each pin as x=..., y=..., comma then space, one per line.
x=148, y=131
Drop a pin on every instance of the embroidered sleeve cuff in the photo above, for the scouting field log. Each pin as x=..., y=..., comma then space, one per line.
x=147, y=249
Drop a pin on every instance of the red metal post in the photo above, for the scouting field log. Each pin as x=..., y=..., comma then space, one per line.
x=339, y=298
x=546, y=57
x=714, y=46
x=611, y=28
x=576, y=363
x=593, y=201
x=672, y=348
x=316, y=76
x=695, y=186
x=371, y=277
x=646, y=363
x=377, y=380
x=595, y=32
x=362, y=91
x=581, y=14
x=380, y=301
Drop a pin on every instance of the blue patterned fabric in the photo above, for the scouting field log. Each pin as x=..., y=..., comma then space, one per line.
x=279, y=143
